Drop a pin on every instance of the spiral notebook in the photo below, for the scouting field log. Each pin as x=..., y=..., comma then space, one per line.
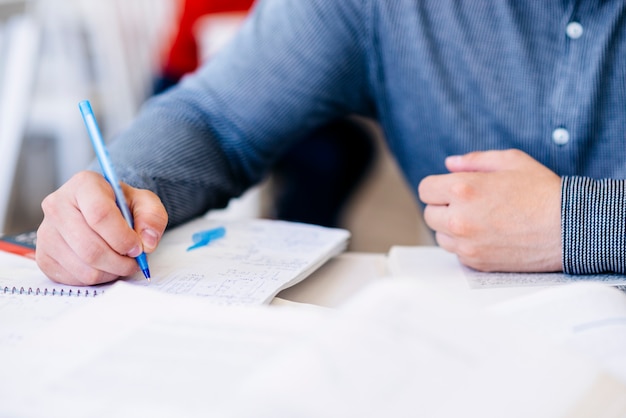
x=247, y=263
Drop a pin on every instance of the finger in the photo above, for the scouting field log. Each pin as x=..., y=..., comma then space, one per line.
x=486, y=161
x=466, y=255
x=446, y=242
x=433, y=190
x=435, y=216
x=150, y=216
x=67, y=238
x=96, y=210
x=89, y=254
x=63, y=263
x=447, y=220
x=54, y=270
x=444, y=189
x=70, y=273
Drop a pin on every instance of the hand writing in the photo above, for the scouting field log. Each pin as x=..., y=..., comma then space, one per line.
x=84, y=239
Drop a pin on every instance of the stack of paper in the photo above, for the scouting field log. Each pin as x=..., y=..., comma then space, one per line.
x=398, y=349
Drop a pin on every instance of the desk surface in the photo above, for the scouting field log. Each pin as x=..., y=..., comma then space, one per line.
x=338, y=279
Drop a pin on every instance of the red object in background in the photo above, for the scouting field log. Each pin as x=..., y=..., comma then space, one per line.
x=21, y=244
x=182, y=55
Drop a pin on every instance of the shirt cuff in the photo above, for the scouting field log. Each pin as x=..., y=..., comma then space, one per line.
x=593, y=225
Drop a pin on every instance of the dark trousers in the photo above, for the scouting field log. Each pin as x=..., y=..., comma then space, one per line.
x=317, y=176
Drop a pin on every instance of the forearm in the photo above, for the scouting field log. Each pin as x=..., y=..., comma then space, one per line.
x=221, y=129
x=593, y=216
x=179, y=159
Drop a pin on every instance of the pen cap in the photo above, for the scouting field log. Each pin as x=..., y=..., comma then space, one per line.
x=85, y=107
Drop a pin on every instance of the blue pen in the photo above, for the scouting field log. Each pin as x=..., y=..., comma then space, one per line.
x=109, y=174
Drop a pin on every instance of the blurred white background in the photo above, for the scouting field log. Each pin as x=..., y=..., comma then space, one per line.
x=53, y=54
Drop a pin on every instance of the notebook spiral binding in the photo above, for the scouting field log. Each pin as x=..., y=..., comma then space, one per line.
x=52, y=292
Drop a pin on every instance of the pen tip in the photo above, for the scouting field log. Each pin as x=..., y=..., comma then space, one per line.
x=146, y=273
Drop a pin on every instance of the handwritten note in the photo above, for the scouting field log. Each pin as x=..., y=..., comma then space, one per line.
x=249, y=264
x=478, y=280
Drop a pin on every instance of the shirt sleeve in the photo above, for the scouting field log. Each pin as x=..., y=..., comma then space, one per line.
x=593, y=214
x=293, y=66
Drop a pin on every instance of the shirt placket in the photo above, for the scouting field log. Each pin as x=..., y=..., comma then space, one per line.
x=567, y=89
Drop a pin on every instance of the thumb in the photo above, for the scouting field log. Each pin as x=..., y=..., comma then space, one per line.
x=486, y=161
x=149, y=215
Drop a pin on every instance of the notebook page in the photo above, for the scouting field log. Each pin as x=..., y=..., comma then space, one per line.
x=411, y=261
x=398, y=351
x=23, y=316
x=250, y=264
x=137, y=352
x=434, y=266
x=21, y=276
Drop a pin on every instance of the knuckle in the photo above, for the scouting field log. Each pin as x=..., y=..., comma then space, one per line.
x=43, y=262
x=470, y=253
x=43, y=235
x=427, y=214
x=90, y=253
x=476, y=264
x=97, y=215
x=476, y=257
x=49, y=204
x=512, y=155
x=127, y=243
x=458, y=227
x=92, y=277
x=81, y=177
x=513, y=152
x=462, y=191
x=444, y=242
x=423, y=185
x=472, y=157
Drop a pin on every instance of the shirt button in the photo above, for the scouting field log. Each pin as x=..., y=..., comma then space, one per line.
x=560, y=136
x=574, y=30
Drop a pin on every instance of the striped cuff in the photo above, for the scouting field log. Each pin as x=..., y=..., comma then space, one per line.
x=593, y=225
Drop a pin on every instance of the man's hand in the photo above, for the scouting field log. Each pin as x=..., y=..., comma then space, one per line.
x=497, y=210
x=84, y=239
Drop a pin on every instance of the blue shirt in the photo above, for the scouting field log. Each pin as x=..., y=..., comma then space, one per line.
x=441, y=77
